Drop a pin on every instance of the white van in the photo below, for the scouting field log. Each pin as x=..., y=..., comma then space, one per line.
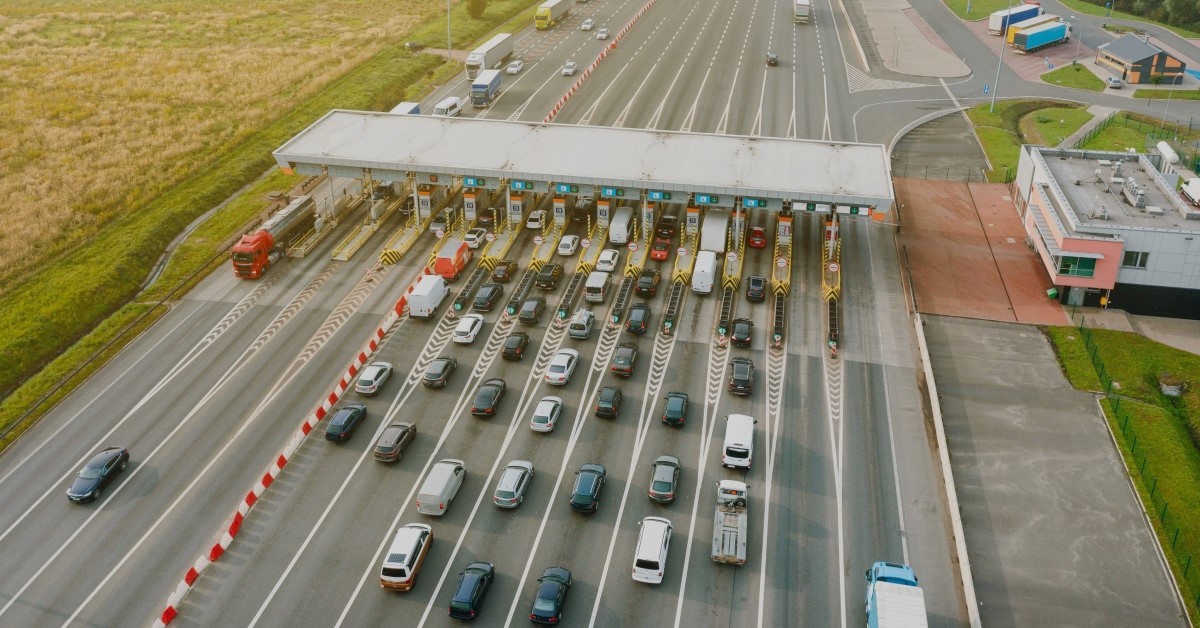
x=595, y=290
x=704, y=273
x=1191, y=191
x=449, y=107
x=739, y=441
x=405, y=557
x=650, y=557
x=620, y=225
x=441, y=485
x=427, y=294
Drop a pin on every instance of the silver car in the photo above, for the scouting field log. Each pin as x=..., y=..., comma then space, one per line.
x=510, y=490
x=561, y=366
x=372, y=378
x=545, y=415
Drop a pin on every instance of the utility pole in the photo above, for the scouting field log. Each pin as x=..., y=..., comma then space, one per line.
x=992, y=108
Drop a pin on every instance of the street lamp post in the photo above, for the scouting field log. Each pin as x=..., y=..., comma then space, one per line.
x=1078, y=40
x=449, y=44
x=992, y=108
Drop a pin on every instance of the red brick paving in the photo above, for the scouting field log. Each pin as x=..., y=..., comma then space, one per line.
x=967, y=253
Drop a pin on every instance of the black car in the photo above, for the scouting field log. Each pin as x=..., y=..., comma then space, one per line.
x=504, y=271
x=531, y=310
x=639, y=319
x=548, y=276
x=473, y=585
x=552, y=592
x=345, y=421
x=647, y=283
x=487, y=297
x=488, y=397
x=486, y=217
x=666, y=227
x=756, y=288
x=514, y=346
x=608, y=402
x=675, y=409
x=741, y=376
x=624, y=359
x=439, y=371
x=741, y=332
x=772, y=58
x=97, y=473
x=589, y=481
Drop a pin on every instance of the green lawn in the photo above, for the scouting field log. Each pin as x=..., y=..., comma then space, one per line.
x=1117, y=137
x=1076, y=76
x=1163, y=94
x=980, y=9
x=1159, y=445
x=1001, y=132
x=1091, y=9
x=1050, y=127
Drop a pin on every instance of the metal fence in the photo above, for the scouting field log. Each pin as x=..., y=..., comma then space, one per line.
x=1178, y=543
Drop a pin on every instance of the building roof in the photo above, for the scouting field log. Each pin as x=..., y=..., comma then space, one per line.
x=807, y=170
x=1131, y=48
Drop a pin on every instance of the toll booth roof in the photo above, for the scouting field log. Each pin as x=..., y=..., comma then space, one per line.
x=839, y=172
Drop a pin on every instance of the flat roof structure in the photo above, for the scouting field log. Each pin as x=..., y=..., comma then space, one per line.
x=347, y=142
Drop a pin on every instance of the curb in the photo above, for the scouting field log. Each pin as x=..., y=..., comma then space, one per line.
x=276, y=467
x=960, y=541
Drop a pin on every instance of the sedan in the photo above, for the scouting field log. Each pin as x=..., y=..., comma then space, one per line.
x=758, y=238
x=568, y=245
x=552, y=592
x=372, y=378
x=562, y=365
x=664, y=479
x=475, y=237
x=487, y=296
x=639, y=319
x=467, y=329
x=97, y=473
x=473, y=584
x=608, y=402
x=743, y=331
x=602, y=33
x=514, y=346
x=608, y=260
x=589, y=480
x=545, y=415
x=756, y=288
x=675, y=409
x=439, y=372
x=531, y=310
x=741, y=376
x=569, y=68
x=660, y=250
x=772, y=58
x=536, y=220
x=438, y=223
x=624, y=359
x=504, y=271
x=343, y=424
x=647, y=283
x=488, y=397
x=515, y=67
x=587, y=24
x=510, y=490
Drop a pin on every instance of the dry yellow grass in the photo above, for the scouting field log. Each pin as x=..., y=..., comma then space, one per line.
x=106, y=103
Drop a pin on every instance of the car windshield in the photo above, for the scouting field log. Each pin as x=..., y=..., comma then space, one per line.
x=90, y=473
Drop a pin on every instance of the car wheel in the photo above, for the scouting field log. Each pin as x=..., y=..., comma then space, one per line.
x=124, y=464
x=95, y=494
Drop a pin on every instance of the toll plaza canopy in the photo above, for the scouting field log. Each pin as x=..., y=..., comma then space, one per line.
x=347, y=142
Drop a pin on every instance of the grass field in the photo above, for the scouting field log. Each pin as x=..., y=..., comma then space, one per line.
x=980, y=9
x=1164, y=94
x=1128, y=130
x=1016, y=122
x=1049, y=127
x=1155, y=439
x=1092, y=9
x=1076, y=76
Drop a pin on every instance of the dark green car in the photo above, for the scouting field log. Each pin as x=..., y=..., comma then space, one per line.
x=675, y=409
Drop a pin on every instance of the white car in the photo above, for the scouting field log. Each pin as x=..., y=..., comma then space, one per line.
x=602, y=33
x=561, y=366
x=545, y=415
x=568, y=245
x=475, y=237
x=438, y=224
x=372, y=378
x=608, y=260
x=515, y=67
x=569, y=68
x=536, y=220
x=587, y=24
x=468, y=328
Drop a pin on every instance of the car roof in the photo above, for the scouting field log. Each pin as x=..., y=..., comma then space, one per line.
x=608, y=391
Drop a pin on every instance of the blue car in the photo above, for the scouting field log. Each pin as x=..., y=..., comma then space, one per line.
x=97, y=473
x=343, y=424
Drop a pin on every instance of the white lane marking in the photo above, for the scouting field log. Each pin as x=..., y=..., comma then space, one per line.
x=721, y=126
x=653, y=122
x=853, y=35
x=776, y=378
x=825, y=89
x=591, y=111
x=620, y=121
x=756, y=127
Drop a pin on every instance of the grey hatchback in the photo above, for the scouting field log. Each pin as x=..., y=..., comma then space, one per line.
x=394, y=440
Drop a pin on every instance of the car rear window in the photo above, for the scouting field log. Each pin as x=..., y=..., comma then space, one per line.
x=647, y=564
x=737, y=452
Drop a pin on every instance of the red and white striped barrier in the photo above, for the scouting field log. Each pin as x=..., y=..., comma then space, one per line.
x=281, y=460
x=586, y=73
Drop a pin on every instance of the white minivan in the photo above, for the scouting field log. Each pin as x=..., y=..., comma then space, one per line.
x=595, y=289
x=739, y=441
x=650, y=557
x=441, y=485
x=704, y=273
x=449, y=107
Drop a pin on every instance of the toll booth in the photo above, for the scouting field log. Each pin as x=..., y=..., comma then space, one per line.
x=474, y=200
x=429, y=197
x=603, y=213
x=691, y=222
x=562, y=206
x=648, y=213
x=516, y=207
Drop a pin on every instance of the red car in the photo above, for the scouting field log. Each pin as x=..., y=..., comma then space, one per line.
x=758, y=238
x=660, y=250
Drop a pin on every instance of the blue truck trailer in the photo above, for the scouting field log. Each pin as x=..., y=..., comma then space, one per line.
x=893, y=598
x=999, y=21
x=485, y=88
x=1029, y=40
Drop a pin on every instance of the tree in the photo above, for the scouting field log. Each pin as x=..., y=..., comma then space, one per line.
x=475, y=8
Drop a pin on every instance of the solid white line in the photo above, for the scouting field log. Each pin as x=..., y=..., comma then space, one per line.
x=620, y=121
x=854, y=36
